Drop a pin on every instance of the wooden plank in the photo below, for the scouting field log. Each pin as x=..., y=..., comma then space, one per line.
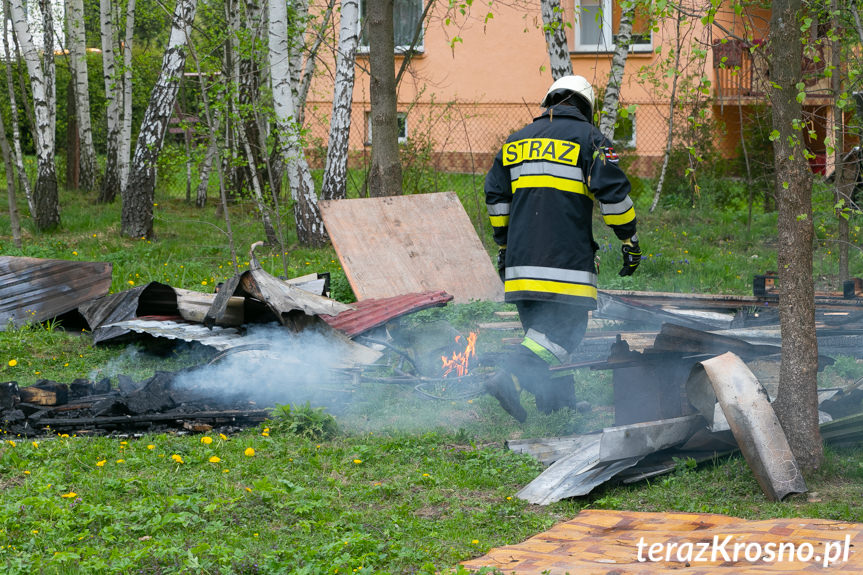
x=409, y=244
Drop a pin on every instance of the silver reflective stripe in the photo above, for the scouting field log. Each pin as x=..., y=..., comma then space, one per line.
x=546, y=169
x=554, y=274
x=560, y=353
x=501, y=209
x=614, y=209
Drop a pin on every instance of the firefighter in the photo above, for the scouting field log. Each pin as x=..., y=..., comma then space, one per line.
x=540, y=194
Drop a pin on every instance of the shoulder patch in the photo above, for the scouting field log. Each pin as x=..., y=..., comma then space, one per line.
x=610, y=154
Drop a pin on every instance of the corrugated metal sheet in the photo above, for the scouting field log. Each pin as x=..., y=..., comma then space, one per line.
x=371, y=313
x=220, y=338
x=152, y=299
x=34, y=289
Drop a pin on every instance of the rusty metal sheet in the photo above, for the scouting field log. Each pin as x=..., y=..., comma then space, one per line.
x=753, y=422
x=601, y=542
x=35, y=289
x=408, y=244
x=372, y=313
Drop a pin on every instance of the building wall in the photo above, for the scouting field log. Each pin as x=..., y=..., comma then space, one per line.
x=465, y=98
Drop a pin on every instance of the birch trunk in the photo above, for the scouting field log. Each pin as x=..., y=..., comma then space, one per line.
x=207, y=166
x=111, y=183
x=45, y=196
x=310, y=227
x=385, y=172
x=137, y=213
x=77, y=48
x=336, y=169
x=555, y=38
x=125, y=143
x=611, y=100
x=670, y=135
x=23, y=180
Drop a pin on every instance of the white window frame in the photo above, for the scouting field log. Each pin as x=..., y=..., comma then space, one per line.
x=399, y=48
x=631, y=143
x=403, y=129
x=606, y=43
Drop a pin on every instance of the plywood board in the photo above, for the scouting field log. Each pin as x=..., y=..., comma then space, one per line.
x=600, y=542
x=407, y=244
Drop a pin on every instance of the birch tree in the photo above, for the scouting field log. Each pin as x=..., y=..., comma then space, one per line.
x=111, y=183
x=137, y=212
x=555, y=38
x=611, y=98
x=796, y=403
x=77, y=49
x=336, y=167
x=385, y=172
x=41, y=71
x=310, y=228
x=125, y=142
x=23, y=180
x=14, y=220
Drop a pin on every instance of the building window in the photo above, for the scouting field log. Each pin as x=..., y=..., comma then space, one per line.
x=402, y=119
x=624, y=131
x=597, y=22
x=406, y=18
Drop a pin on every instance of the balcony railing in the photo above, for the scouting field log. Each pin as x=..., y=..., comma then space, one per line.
x=740, y=70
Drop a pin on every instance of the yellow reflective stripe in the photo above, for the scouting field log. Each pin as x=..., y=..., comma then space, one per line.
x=620, y=219
x=551, y=287
x=499, y=221
x=551, y=182
x=543, y=353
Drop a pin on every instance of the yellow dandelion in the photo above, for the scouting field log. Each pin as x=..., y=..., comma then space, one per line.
x=177, y=458
x=35, y=531
x=101, y=463
x=130, y=282
x=475, y=542
x=226, y=470
x=204, y=282
x=151, y=447
x=10, y=442
x=13, y=362
x=69, y=495
x=215, y=459
x=26, y=472
x=249, y=452
x=74, y=253
x=206, y=440
x=223, y=437
x=265, y=434
x=249, y=489
x=358, y=461
x=425, y=475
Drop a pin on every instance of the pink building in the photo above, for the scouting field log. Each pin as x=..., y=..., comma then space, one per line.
x=480, y=75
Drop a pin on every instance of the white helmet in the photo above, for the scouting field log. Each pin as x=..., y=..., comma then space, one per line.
x=575, y=84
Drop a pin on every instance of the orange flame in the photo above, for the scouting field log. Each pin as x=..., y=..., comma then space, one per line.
x=459, y=361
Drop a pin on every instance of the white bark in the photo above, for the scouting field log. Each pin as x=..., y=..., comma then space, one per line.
x=137, y=213
x=310, y=227
x=335, y=172
x=111, y=181
x=125, y=144
x=23, y=180
x=615, y=77
x=555, y=38
x=42, y=88
x=77, y=49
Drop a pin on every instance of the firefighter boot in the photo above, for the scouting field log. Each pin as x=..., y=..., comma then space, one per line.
x=557, y=393
x=501, y=387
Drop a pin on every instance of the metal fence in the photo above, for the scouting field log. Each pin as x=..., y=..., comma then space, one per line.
x=465, y=136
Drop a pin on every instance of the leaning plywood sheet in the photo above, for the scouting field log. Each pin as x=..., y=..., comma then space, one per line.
x=408, y=244
x=34, y=289
x=600, y=542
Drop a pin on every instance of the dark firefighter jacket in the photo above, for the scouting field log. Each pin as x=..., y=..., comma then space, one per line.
x=540, y=194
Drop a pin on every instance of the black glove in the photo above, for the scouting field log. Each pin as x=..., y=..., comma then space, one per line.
x=501, y=263
x=631, y=257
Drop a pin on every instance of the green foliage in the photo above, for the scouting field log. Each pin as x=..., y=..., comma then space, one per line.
x=304, y=421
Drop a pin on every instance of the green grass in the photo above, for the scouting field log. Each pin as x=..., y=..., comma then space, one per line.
x=405, y=484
